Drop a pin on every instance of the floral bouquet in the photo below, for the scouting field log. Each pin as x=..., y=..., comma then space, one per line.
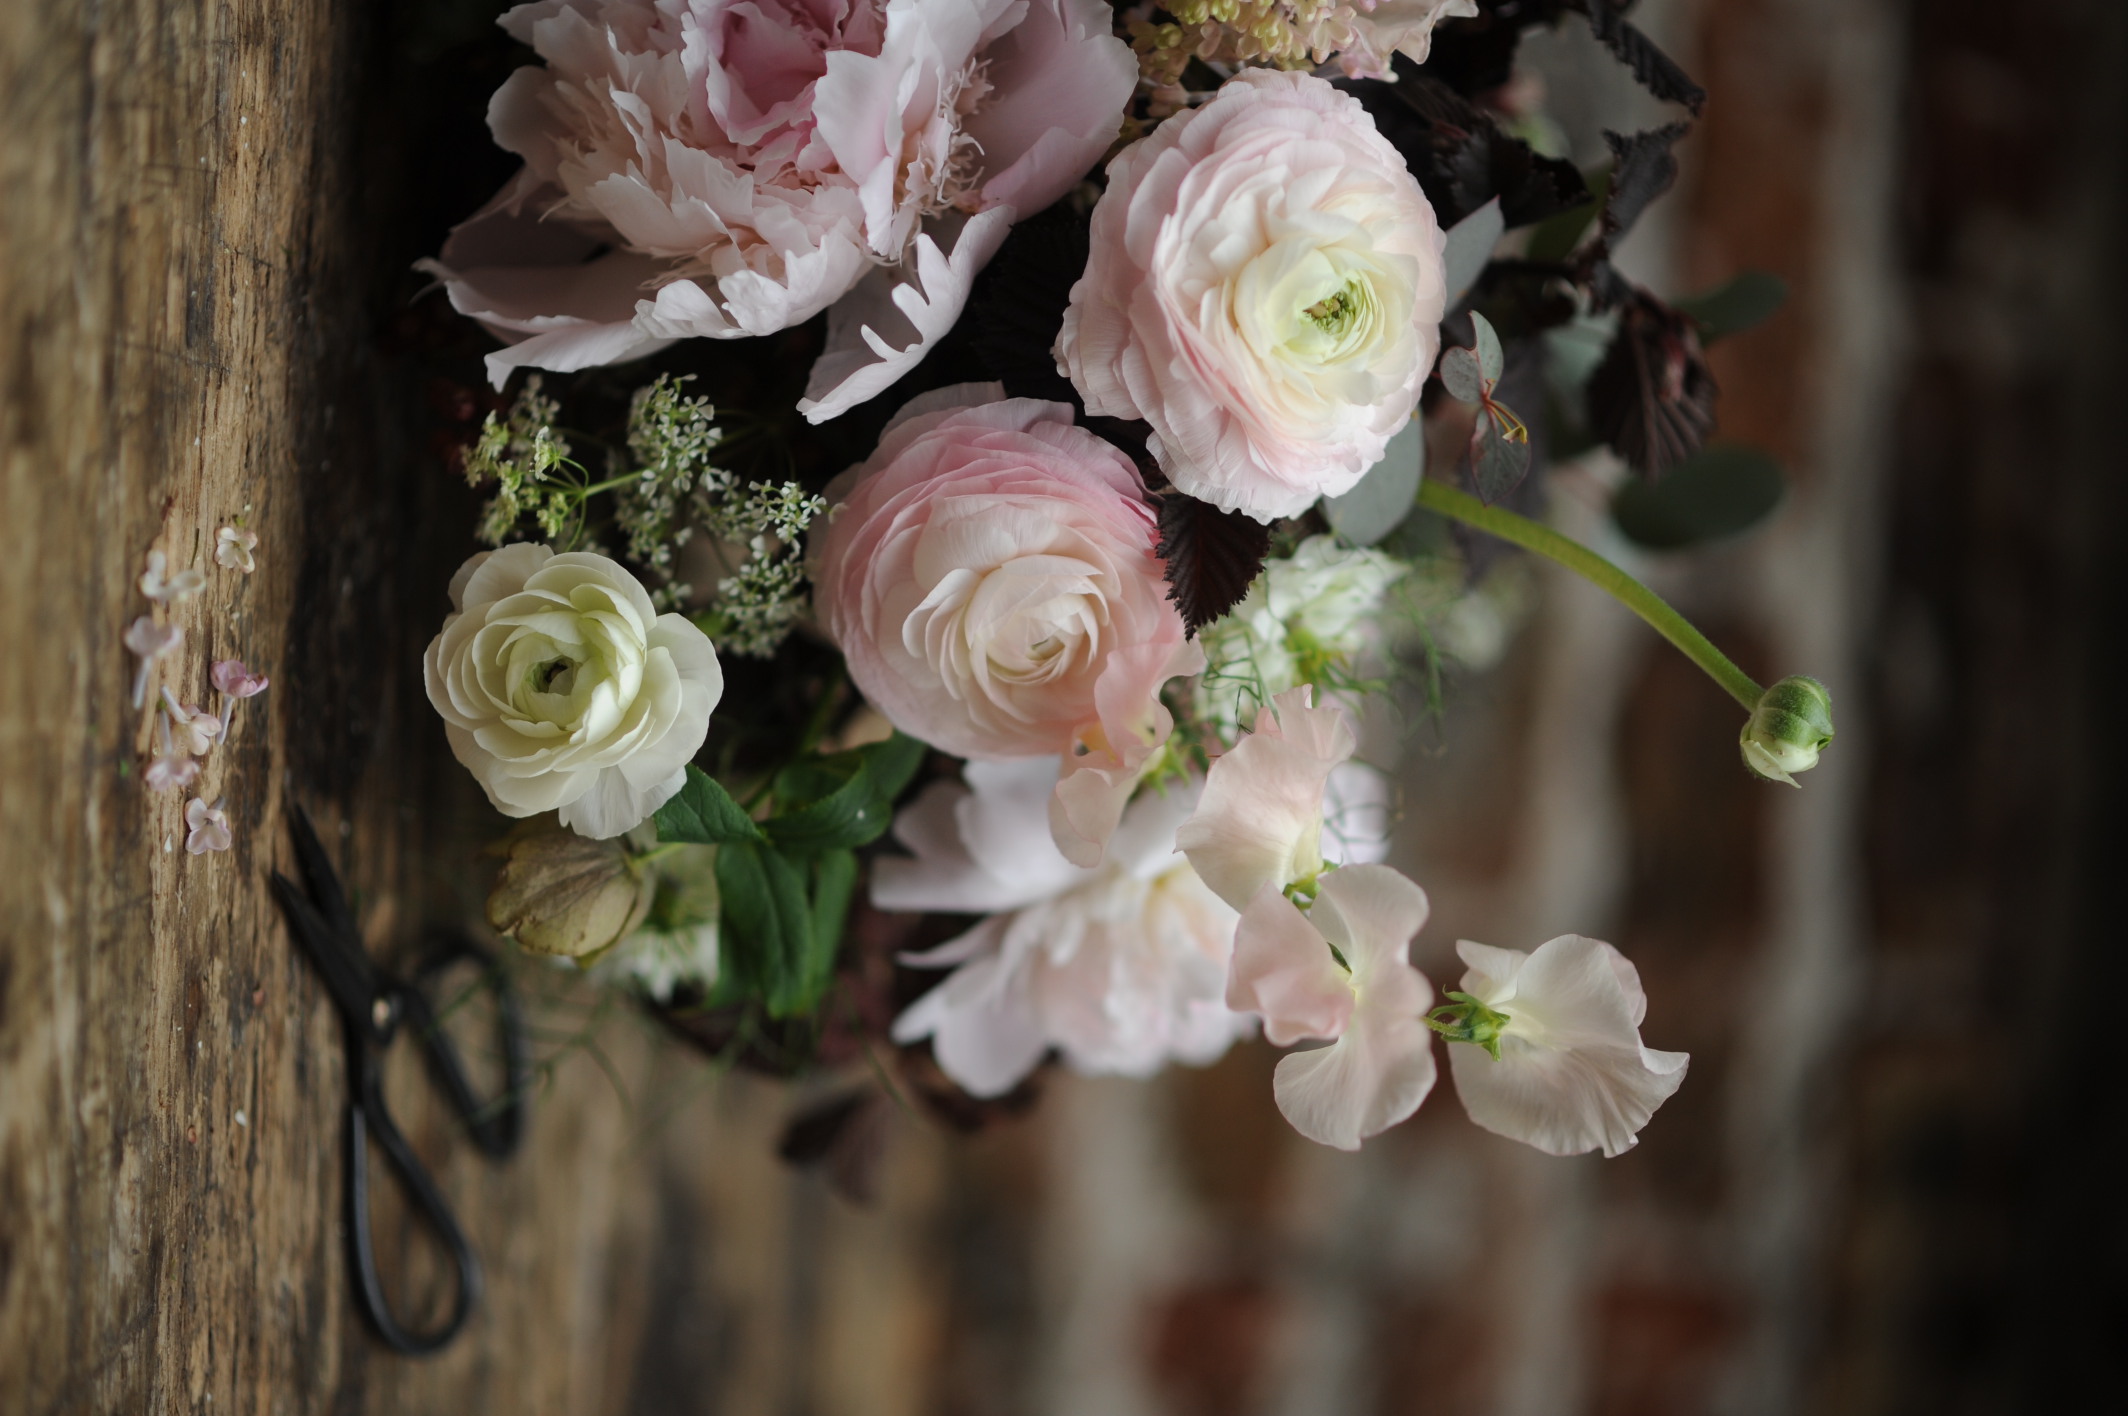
x=1019, y=687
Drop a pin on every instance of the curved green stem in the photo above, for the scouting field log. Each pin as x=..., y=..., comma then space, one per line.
x=1544, y=541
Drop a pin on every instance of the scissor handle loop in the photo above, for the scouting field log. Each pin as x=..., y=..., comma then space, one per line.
x=367, y=1115
x=495, y=1123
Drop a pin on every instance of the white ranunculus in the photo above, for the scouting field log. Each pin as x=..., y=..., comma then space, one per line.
x=1265, y=288
x=562, y=688
x=1572, y=1074
x=1319, y=608
x=1261, y=820
x=1379, y=1065
x=1122, y=968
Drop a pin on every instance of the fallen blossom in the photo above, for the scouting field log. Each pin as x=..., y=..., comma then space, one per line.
x=166, y=589
x=196, y=729
x=233, y=547
x=209, y=827
x=171, y=770
x=236, y=682
x=149, y=641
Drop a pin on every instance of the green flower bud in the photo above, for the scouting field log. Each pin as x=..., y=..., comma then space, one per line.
x=1469, y=1020
x=1787, y=731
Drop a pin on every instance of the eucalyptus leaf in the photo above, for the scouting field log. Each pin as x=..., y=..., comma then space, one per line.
x=1462, y=376
x=1720, y=491
x=1498, y=463
x=1469, y=245
x=1492, y=360
x=1750, y=299
x=1381, y=499
x=704, y=814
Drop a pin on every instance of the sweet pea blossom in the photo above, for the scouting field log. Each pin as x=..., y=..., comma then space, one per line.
x=1261, y=820
x=1265, y=288
x=1571, y=1074
x=208, y=827
x=233, y=547
x=562, y=688
x=990, y=580
x=728, y=168
x=1121, y=968
x=1366, y=996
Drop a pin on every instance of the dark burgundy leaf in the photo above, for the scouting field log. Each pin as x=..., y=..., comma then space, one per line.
x=1018, y=303
x=1461, y=156
x=1642, y=169
x=1657, y=72
x=1211, y=556
x=1652, y=397
x=1477, y=55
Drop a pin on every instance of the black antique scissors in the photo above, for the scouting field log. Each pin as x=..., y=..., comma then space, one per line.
x=374, y=1007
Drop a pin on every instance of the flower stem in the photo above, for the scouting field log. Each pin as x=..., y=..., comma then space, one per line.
x=1534, y=536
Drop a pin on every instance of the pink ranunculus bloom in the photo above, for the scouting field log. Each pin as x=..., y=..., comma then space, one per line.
x=1122, y=968
x=990, y=580
x=733, y=167
x=1372, y=1005
x=1265, y=288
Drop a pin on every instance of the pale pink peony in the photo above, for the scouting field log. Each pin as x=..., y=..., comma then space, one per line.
x=1265, y=289
x=990, y=580
x=1375, y=33
x=1121, y=968
x=733, y=167
x=1366, y=997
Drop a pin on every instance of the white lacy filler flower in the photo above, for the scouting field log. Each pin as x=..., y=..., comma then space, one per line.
x=1270, y=804
x=1122, y=968
x=1315, y=609
x=1265, y=288
x=562, y=688
x=732, y=167
x=1379, y=1066
x=1572, y=1074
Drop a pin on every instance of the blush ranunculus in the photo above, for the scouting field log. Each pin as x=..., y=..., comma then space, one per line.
x=562, y=688
x=733, y=167
x=1265, y=288
x=989, y=577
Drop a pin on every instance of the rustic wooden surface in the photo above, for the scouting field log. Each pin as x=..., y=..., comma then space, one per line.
x=188, y=335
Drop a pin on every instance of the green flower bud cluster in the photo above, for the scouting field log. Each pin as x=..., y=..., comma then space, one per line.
x=1790, y=726
x=1468, y=1020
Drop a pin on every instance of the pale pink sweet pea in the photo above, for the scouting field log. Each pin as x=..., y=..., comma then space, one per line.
x=1379, y=1066
x=1261, y=820
x=1265, y=288
x=727, y=168
x=989, y=577
x=1121, y=968
x=1572, y=1074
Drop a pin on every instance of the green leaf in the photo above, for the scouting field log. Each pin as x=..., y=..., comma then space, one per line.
x=850, y=815
x=1720, y=491
x=894, y=763
x=704, y=814
x=769, y=925
x=1750, y=299
x=834, y=882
